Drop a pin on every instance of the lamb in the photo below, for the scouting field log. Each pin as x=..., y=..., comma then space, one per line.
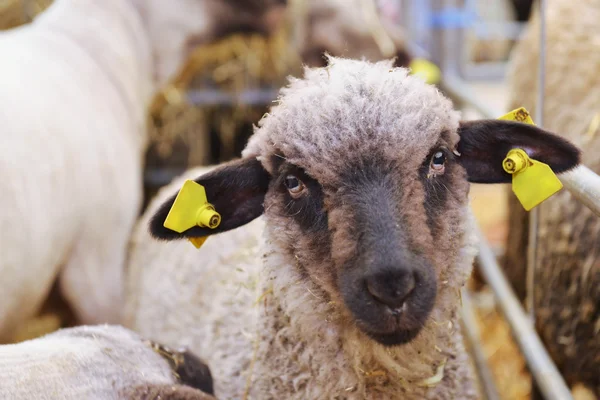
x=359, y=178
x=75, y=86
x=567, y=278
x=100, y=363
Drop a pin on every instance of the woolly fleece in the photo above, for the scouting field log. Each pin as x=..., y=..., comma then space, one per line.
x=86, y=362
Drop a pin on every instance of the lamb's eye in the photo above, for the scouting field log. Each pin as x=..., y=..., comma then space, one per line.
x=438, y=162
x=294, y=185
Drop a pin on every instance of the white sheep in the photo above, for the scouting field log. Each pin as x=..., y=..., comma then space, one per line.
x=75, y=86
x=361, y=172
x=100, y=363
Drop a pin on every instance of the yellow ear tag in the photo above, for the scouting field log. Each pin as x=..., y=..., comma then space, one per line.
x=190, y=209
x=519, y=115
x=426, y=70
x=532, y=180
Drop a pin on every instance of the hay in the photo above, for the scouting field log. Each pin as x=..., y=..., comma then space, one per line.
x=236, y=63
x=14, y=13
x=507, y=365
x=36, y=327
x=54, y=314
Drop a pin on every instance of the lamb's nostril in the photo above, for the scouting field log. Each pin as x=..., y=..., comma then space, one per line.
x=392, y=289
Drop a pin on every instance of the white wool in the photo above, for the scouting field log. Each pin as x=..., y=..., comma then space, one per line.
x=87, y=362
x=75, y=85
x=171, y=285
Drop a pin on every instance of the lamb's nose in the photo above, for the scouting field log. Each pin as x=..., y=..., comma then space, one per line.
x=392, y=287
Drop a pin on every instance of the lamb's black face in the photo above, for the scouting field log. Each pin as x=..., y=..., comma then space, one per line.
x=360, y=252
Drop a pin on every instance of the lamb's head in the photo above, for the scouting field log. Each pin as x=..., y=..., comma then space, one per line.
x=362, y=172
x=177, y=28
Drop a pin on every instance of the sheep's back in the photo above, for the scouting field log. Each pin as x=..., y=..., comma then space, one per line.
x=567, y=294
x=96, y=363
x=204, y=298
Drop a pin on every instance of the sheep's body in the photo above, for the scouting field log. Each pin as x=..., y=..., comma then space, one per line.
x=72, y=111
x=221, y=302
x=567, y=293
x=75, y=87
x=160, y=305
x=88, y=362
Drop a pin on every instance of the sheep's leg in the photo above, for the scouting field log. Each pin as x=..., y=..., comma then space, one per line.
x=25, y=286
x=93, y=278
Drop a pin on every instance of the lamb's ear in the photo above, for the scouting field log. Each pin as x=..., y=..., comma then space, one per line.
x=484, y=144
x=236, y=189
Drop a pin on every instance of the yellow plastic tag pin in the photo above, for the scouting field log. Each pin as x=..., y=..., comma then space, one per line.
x=198, y=242
x=532, y=180
x=426, y=70
x=519, y=115
x=191, y=208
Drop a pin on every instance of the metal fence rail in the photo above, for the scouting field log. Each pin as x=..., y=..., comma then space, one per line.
x=444, y=46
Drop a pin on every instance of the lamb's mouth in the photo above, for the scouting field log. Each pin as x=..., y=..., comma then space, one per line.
x=391, y=327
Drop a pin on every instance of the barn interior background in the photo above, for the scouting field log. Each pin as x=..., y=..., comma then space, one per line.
x=207, y=112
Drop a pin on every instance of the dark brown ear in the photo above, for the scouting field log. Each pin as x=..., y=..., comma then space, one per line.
x=484, y=144
x=195, y=373
x=236, y=189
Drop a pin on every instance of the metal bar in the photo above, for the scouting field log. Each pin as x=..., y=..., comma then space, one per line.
x=159, y=177
x=458, y=90
x=548, y=378
x=501, y=30
x=473, y=340
x=534, y=215
x=584, y=185
x=485, y=70
x=215, y=97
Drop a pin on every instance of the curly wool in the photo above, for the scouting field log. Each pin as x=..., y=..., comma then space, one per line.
x=407, y=114
x=266, y=330
x=172, y=291
x=567, y=294
x=86, y=362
